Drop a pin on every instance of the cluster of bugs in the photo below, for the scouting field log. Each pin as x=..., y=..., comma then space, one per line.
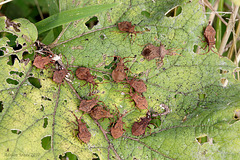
x=97, y=109
x=45, y=57
x=138, y=85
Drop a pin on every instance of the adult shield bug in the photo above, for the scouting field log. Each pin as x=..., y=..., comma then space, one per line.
x=83, y=134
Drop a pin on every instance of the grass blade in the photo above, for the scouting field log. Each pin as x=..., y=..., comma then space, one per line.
x=72, y=15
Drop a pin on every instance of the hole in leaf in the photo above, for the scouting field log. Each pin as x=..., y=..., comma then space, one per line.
x=41, y=73
x=237, y=114
x=201, y=96
x=24, y=94
x=65, y=101
x=184, y=119
x=42, y=108
x=12, y=39
x=175, y=11
x=46, y=98
x=106, y=77
x=96, y=157
x=156, y=121
x=204, y=139
x=109, y=66
x=1, y=106
x=12, y=59
x=16, y=131
x=68, y=156
x=27, y=55
x=92, y=22
x=102, y=37
x=12, y=81
x=236, y=75
x=20, y=74
x=145, y=13
x=2, y=51
x=100, y=79
x=223, y=71
x=46, y=142
x=195, y=49
x=224, y=82
x=17, y=47
x=35, y=82
x=45, y=123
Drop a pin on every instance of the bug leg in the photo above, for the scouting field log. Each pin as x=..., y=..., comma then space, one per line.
x=150, y=129
x=159, y=64
x=205, y=52
x=118, y=31
x=154, y=125
x=135, y=33
x=126, y=36
x=72, y=122
x=201, y=39
x=84, y=84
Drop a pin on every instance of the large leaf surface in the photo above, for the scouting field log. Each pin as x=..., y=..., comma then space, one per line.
x=190, y=84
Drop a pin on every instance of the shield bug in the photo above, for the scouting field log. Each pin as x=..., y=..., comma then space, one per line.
x=140, y=101
x=83, y=134
x=40, y=61
x=209, y=35
x=117, y=129
x=83, y=73
x=119, y=74
x=139, y=128
x=151, y=52
x=87, y=105
x=98, y=112
x=60, y=75
x=127, y=27
x=138, y=85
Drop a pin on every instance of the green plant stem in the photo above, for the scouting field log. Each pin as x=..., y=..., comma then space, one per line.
x=219, y=25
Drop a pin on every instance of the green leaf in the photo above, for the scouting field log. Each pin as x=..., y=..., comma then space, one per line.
x=70, y=16
x=204, y=112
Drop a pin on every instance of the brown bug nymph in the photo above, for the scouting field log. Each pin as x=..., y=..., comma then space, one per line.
x=139, y=128
x=83, y=134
